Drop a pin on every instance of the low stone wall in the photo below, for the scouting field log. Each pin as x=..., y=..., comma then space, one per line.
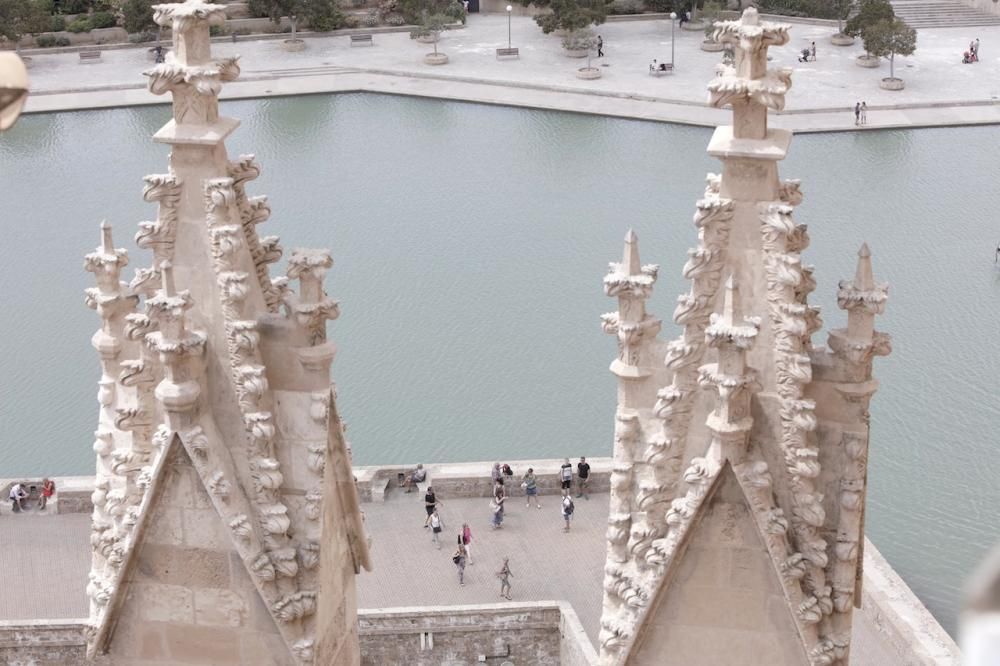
x=544, y=633
x=42, y=643
x=72, y=494
x=474, y=480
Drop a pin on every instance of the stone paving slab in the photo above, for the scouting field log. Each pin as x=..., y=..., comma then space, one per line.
x=940, y=90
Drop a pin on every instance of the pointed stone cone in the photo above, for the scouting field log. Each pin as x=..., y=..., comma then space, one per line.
x=730, y=315
x=630, y=260
x=863, y=279
x=167, y=272
x=107, y=245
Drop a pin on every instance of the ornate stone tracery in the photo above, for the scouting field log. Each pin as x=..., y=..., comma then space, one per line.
x=209, y=382
x=728, y=425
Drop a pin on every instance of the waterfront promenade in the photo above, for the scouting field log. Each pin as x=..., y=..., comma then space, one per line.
x=46, y=572
x=940, y=91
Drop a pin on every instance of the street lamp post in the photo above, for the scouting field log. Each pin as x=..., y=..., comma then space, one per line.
x=509, y=9
x=673, y=17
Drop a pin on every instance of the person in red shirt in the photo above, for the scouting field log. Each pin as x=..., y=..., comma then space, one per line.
x=48, y=490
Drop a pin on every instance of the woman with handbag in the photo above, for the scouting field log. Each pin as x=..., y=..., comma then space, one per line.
x=459, y=558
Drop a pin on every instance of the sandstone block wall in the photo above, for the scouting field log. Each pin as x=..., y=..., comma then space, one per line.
x=538, y=634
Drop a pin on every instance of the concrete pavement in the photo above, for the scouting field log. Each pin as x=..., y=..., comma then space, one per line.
x=940, y=90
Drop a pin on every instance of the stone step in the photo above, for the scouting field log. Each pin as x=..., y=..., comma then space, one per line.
x=941, y=14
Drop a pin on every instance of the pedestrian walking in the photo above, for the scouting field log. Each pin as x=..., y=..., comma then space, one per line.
x=857, y=113
x=504, y=575
x=530, y=485
x=465, y=540
x=566, y=476
x=977, y=49
x=600, y=47
x=582, y=478
x=864, y=113
x=567, y=511
x=812, y=51
x=436, y=527
x=431, y=503
x=496, y=505
x=460, y=558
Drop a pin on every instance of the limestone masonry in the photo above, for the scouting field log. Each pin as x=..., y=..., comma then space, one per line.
x=226, y=519
x=738, y=488
x=226, y=523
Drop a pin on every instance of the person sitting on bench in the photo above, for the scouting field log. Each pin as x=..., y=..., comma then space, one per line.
x=419, y=475
x=685, y=18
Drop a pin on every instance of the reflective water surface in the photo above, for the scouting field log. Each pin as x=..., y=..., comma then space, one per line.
x=470, y=242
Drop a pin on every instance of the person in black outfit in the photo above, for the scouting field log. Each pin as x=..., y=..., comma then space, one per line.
x=600, y=47
x=430, y=503
x=583, y=477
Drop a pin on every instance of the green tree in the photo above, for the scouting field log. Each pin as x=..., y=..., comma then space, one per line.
x=138, y=15
x=569, y=15
x=322, y=15
x=869, y=13
x=431, y=24
x=889, y=38
x=22, y=17
x=843, y=10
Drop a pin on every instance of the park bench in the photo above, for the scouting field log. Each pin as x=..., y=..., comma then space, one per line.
x=668, y=68
x=363, y=39
x=90, y=56
x=508, y=53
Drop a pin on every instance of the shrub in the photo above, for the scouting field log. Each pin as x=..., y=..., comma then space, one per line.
x=626, y=7
x=215, y=31
x=258, y=9
x=45, y=41
x=142, y=37
x=80, y=25
x=103, y=20
x=661, y=6
x=371, y=18
x=324, y=15
x=395, y=19
x=57, y=24
x=137, y=15
x=62, y=41
x=812, y=8
x=74, y=6
x=352, y=21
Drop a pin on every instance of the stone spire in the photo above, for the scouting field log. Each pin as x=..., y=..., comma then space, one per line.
x=218, y=439
x=631, y=283
x=721, y=512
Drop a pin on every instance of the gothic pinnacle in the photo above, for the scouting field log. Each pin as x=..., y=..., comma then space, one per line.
x=167, y=271
x=729, y=308
x=107, y=245
x=630, y=260
x=863, y=279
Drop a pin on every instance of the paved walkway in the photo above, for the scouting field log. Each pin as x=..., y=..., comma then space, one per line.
x=45, y=561
x=940, y=90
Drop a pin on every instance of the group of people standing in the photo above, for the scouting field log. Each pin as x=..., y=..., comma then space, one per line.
x=860, y=113
x=502, y=477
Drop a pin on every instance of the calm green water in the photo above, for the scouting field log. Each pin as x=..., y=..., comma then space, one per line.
x=470, y=243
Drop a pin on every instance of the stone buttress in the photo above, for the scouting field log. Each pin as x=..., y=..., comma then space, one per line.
x=226, y=526
x=738, y=489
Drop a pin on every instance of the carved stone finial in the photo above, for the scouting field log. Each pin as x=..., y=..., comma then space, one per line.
x=863, y=298
x=632, y=283
x=167, y=273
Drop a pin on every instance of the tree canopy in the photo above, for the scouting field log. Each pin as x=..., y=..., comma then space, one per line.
x=23, y=17
x=869, y=13
x=568, y=15
x=887, y=39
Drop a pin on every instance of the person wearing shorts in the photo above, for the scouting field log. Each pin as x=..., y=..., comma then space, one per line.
x=530, y=485
x=430, y=504
x=566, y=476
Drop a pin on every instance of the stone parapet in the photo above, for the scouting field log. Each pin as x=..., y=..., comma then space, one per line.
x=43, y=642
x=542, y=632
x=473, y=479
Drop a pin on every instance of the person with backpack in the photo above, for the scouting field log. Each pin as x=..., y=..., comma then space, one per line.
x=566, y=476
x=567, y=511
